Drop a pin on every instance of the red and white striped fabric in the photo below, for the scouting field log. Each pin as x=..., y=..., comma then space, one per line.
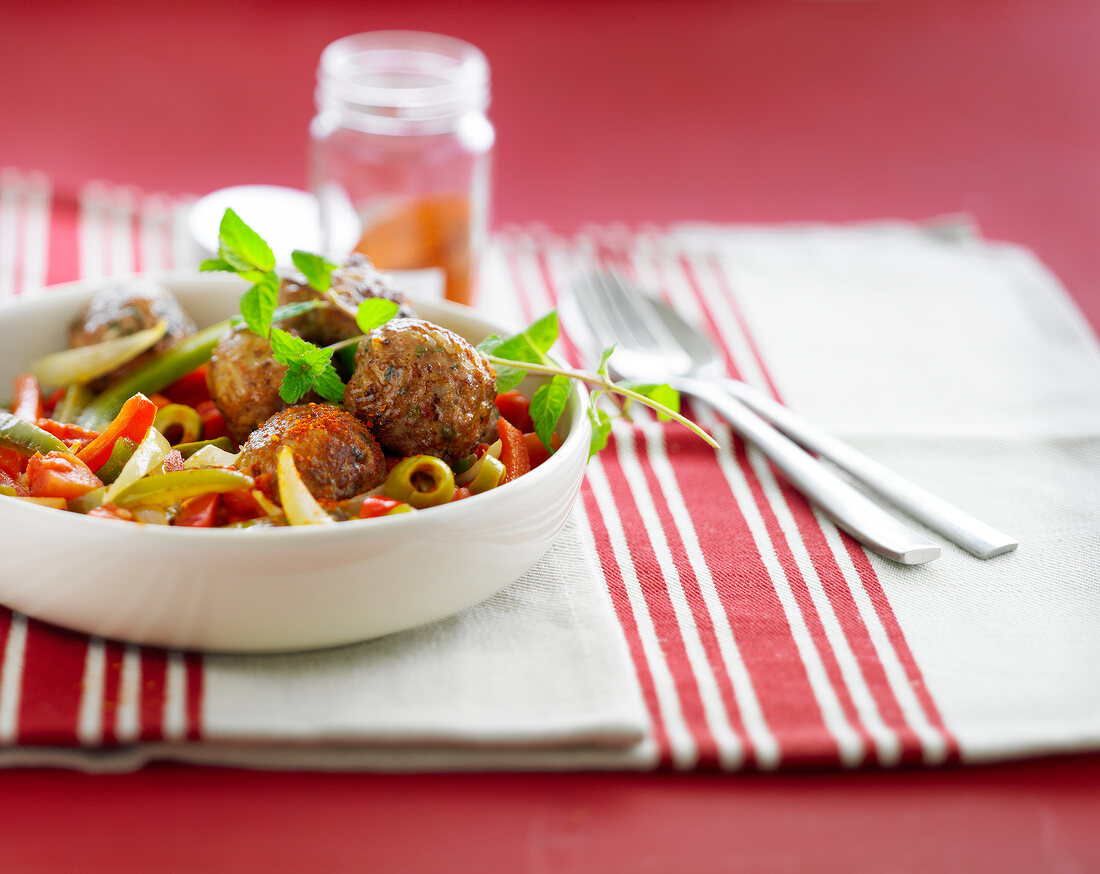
x=751, y=632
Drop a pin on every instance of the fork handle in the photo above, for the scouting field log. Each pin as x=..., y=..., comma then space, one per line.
x=850, y=509
x=973, y=535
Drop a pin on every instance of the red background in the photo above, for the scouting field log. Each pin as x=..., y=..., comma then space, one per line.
x=765, y=110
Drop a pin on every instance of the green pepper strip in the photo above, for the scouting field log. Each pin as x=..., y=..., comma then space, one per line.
x=189, y=449
x=124, y=448
x=163, y=489
x=25, y=438
x=75, y=399
x=159, y=373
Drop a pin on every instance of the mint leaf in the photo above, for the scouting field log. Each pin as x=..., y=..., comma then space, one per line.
x=258, y=304
x=532, y=344
x=327, y=383
x=375, y=312
x=602, y=369
x=215, y=264
x=660, y=393
x=547, y=405
x=295, y=385
x=288, y=349
x=601, y=430
x=241, y=247
x=316, y=269
x=290, y=310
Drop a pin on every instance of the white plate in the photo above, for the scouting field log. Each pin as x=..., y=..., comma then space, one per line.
x=270, y=589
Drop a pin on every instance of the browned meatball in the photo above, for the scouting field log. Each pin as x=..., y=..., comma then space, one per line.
x=353, y=283
x=244, y=381
x=334, y=452
x=126, y=308
x=422, y=390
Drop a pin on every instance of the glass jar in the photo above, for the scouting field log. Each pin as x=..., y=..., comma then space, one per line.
x=400, y=152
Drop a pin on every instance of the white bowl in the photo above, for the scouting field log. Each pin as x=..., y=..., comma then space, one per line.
x=270, y=589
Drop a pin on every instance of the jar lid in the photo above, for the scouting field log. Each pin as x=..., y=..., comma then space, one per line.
x=387, y=80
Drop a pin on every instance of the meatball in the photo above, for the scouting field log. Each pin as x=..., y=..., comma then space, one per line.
x=126, y=308
x=244, y=381
x=422, y=390
x=335, y=453
x=353, y=283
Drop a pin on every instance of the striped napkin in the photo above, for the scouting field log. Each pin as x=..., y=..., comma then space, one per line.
x=696, y=613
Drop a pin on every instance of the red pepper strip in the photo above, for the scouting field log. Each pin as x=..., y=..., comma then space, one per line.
x=516, y=408
x=132, y=421
x=11, y=462
x=12, y=483
x=376, y=505
x=59, y=475
x=28, y=398
x=536, y=451
x=160, y=400
x=65, y=432
x=213, y=422
x=189, y=390
x=513, y=451
x=50, y=404
x=198, y=512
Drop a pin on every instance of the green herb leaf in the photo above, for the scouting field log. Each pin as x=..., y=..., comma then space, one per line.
x=327, y=383
x=316, y=269
x=602, y=369
x=295, y=386
x=241, y=247
x=375, y=312
x=290, y=310
x=660, y=393
x=308, y=368
x=547, y=405
x=216, y=264
x=601, y=430
x=258, y=304
x=532, y=344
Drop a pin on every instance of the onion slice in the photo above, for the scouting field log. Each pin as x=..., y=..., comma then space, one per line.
x=85, y=363
x=300, y=506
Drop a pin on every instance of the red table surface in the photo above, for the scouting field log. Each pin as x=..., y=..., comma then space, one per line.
x=765, y=111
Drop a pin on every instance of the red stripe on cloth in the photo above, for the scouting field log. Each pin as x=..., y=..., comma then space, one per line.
x=900, y=645
x=621, y=602
x=154, y=672
x=112, y=676
x=192, y=663
x=63, y=245
x=704, y=622
x=53, y=680
x=655, y=590
x=5, y=629
x=752, y=606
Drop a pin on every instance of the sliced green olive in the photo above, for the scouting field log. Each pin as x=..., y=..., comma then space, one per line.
x=488, y=476
x=421, y=480
x=179, y=416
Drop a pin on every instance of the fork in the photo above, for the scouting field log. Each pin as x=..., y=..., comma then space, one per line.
x=602, y=311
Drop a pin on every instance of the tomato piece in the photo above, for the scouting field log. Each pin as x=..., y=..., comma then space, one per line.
x=513, y=451
x=213, y=422
x=172, y=461
x=59, y=475
x=11, y=462
x=9, y=481
x=516, y=408
x=110, y=511
x=241, y=505
x=65, y=432
x=189, y=390
x=28, y=398
x=377, y=505
x=461, y=493
x=198, y=512
x=133, y=421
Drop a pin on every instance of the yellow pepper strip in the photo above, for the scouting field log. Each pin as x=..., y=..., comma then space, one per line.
x=85, y=363
x=299, y=505
x=164, y=489
x=53, y=503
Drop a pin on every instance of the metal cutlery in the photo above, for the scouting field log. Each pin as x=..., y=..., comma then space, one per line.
x=654, y=344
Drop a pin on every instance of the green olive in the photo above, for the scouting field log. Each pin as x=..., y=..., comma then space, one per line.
x=421, y=480
x=179, y=416
x=489, y=475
